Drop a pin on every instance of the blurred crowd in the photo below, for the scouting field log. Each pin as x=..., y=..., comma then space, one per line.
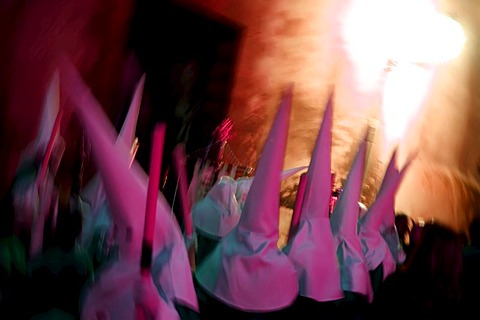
x=97, y=257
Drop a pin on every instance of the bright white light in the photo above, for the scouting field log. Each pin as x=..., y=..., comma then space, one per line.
x=447, y=40
x=408, y=32
x=365, y=39
x=402, y=30
x=362, y=30
x=432, y=38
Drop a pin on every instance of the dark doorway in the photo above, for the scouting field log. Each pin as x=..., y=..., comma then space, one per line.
x=189, y=58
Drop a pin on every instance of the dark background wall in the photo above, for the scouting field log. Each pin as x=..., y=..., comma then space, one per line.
x=113, y=44
x=190, y=59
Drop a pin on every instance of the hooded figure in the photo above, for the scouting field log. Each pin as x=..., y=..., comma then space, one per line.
x=344, y=219
x=246, y=270
x=47, y=130
x=217, y=213
x=96, y=213
x=138, y=297
x=35, y=197
x=312, y=248
x=378, y=235
x=126, y=189
x=118, y=292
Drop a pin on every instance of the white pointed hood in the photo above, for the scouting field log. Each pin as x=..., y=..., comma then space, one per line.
x=354, y=273
x=51, y=108
x=217, y=213
x=247, y=264
x=126, y=190
x=312, y=248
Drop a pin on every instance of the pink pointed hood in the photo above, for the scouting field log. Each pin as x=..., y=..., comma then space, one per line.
x=47, y=129
x=378, y=235
x=126, y=190
x=123, y=289
x=354, y=273
x=251, y=247
x=93, y=194
x=297, y=207
x=312, y=249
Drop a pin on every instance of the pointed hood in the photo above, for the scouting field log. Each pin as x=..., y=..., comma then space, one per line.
x=47, y=129
x=129, y=127
x=252, y=245
x=51, y=108
x=93, y=194
x=297, y=207
x=378, y=235
x=222, y=200
x=261, y=210
x=312, y=248
x=217, y=214
x=123, y=288
x=49, y=139
x=344, y=220
x=49, y=148
x=126, y=190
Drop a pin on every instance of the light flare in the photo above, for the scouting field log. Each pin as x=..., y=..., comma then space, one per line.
x=407, y=31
